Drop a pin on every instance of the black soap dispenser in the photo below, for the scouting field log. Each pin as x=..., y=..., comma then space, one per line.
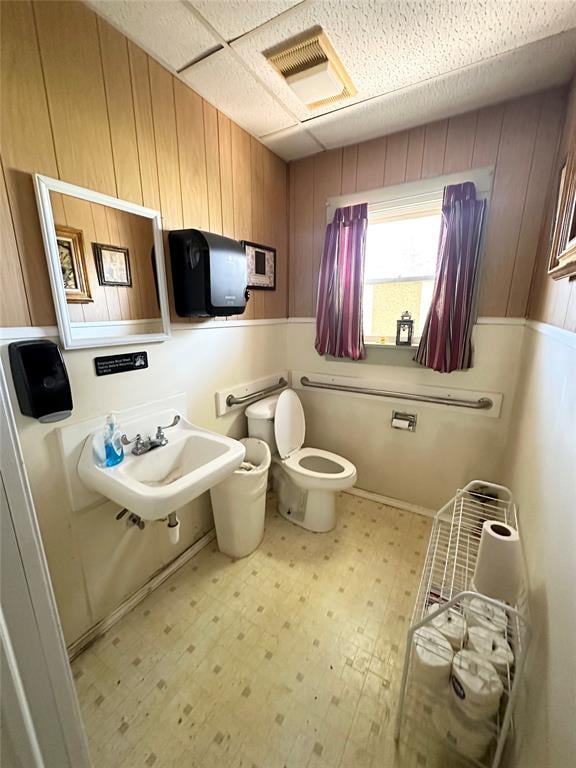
x=40, y=380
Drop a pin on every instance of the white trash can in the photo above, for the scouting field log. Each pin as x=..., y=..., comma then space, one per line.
x=239, y=502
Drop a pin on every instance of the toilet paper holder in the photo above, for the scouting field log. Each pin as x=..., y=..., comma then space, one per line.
x=405, y=421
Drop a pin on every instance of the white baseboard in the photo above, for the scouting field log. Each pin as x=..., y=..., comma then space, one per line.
x=390, y=502
x=79, y=645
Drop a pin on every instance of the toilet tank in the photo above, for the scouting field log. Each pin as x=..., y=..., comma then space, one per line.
x=260, y=417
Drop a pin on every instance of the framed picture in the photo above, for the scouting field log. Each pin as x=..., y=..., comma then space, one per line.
x=261, y=265
x=71, y=252
x=563, y=243
x=112, y=264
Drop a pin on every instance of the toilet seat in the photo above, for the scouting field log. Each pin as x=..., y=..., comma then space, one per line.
x=310, y=468
x=336, y=467
x=310, y=478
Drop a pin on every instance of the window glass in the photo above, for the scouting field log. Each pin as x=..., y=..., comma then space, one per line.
x=401, y=253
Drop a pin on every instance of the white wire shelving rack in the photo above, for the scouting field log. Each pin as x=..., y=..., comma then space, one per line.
x=446, y=584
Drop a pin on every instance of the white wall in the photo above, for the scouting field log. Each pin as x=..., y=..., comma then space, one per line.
x=96, y=562
x=540, y=466
x=450, y=446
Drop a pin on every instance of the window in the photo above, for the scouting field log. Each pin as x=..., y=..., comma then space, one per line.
x=402, y=248
x=401, y=253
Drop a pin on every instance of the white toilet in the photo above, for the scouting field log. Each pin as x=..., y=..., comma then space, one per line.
x=305, y=479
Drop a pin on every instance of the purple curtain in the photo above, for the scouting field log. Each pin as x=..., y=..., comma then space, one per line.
x=341, y=282
x=446, y=340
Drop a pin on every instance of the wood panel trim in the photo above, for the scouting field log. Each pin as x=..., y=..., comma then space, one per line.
x=212, y=155
x=27, y=147
x=536, y=204
x=434, y=148
x=515, y=152
x=77, y=104
x=13, y=296
x=415, y=154
x=140, y=117
x=504, y=136
x=226, y=178
x=119, y=92
x=144, y=125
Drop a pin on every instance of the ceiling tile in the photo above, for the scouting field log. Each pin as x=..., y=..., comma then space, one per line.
x=292, y=143
x=232, y=18
x=537, y=66
x=412, y=61
x=385, y=46
x=223, y=81
x=167, y=29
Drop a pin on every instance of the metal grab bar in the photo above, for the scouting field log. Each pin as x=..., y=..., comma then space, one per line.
x=233, y=400
x=482, y=404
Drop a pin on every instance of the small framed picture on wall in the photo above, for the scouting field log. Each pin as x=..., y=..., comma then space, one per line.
x=261, y=265
x=74, y=275
x=563, y=243
x=112, y=264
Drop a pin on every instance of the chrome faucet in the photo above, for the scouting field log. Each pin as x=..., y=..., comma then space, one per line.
x=143, y=445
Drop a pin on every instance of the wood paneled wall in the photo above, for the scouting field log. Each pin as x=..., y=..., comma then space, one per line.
x=108, y=226
x=519, y=138
x=81, y=103
x=554, y=301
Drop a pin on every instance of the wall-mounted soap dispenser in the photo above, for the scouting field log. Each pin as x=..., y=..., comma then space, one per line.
x=40, y=380
x=209, y=274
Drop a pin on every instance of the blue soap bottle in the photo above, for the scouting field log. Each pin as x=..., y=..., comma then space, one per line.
x=113, y=448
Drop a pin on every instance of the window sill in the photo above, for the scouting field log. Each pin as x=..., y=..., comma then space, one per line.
x=390, y=345
x=383, y=354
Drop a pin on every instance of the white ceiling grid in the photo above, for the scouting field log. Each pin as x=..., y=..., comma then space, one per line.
x=165, y=28
x=233, y=18
x=412, y=61
x=385, y=46
x=492, y=81
x=220, y=79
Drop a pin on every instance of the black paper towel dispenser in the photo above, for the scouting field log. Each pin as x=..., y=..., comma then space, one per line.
x=209, y=274
x=40, y=380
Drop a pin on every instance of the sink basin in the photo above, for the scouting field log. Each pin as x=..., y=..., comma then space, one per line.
x=163, y=480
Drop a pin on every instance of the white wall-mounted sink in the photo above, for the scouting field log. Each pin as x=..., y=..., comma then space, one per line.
x=164, y=479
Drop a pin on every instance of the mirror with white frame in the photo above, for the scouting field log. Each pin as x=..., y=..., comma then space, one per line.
x=106, y=265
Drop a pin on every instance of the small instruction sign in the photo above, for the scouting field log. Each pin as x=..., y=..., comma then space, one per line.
x=133, y=361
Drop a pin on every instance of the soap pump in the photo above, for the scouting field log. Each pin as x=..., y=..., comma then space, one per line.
x=113, y=448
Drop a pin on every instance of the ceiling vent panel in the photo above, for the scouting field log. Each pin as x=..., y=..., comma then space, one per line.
x=312, y=69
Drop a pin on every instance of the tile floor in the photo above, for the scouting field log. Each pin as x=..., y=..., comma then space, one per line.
x=290, y=658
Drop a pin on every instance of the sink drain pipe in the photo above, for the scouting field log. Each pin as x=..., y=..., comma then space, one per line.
x=173, y=528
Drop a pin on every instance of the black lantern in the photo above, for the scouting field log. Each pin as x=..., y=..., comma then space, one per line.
x=404, y=329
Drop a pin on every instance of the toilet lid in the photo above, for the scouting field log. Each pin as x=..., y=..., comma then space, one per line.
x=289, y=423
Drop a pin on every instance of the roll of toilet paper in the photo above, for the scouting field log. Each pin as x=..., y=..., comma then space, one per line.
x=449, y=623
x=491, y=646
x=480, y=613
x=498, y=569
x=476, y=685
x=431, y=658
x=469, y=737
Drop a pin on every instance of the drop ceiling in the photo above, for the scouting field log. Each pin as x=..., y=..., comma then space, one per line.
x=411, y=62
